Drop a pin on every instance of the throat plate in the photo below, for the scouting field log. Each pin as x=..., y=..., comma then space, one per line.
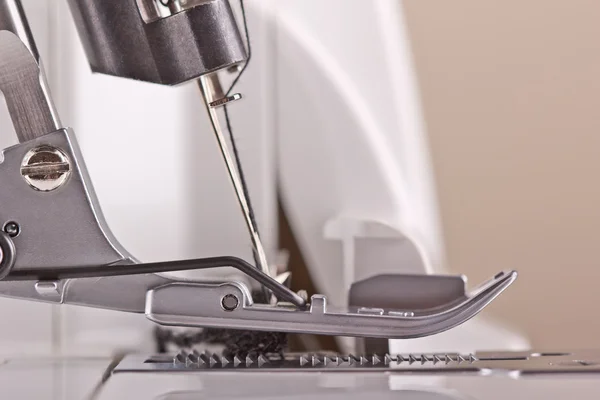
x=481, y=363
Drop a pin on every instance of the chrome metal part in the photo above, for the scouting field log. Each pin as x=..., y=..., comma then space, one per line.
x=230, y=302
x=45, y=168
x=74, y=214
x=174, y=6
x=230, y=305
x=132, y=39
x=484, y=363
x=128, y=293
x=22, y=79
x=7, y=255
x=12, y=229
x=202, y=308
x=211, y=91
x=21, y=82
x=127, y=268
x=150, y=10
x=57, y=225
x=47, y=289
x=225, y=100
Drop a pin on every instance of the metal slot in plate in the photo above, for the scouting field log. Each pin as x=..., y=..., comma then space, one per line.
x=484, y=363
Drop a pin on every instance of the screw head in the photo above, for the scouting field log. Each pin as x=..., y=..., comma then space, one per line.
x=12, y=229
x=230, y=302
x=234, y=69
x=45, y=168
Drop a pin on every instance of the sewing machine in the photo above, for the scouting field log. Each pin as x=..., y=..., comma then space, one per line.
x=56, y=246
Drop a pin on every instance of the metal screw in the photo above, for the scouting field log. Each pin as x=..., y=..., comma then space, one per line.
x=12, y=229
x=230, y=302
x=45, y=168
x=234, y=69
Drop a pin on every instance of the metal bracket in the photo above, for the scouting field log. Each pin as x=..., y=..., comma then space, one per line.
x=203, y=308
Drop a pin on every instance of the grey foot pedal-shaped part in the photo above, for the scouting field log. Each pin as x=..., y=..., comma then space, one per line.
x=230, y=305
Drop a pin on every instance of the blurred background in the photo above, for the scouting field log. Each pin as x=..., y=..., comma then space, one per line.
x=509, y=92
x=410, y=136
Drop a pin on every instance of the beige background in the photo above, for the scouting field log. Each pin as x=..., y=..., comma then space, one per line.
x=511, y=92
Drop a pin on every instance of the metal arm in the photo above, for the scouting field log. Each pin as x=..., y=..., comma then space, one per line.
x=23, y=82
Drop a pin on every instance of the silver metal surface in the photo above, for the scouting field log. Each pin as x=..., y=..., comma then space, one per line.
x=56, y=226
x=212, y=91
x=60, y=228
x=90, y=378
x=47, y=289
x=174, y=6
x=133, y=39
x=126, y=293
x=12, y=229
x=160, y=298
x=20, y=81
x=484, y=363
x=226, y=100
x=202, y=308
x=150, y=10
x=120, y=293
x=7, y=255
x=45, y=168
x=230, y=302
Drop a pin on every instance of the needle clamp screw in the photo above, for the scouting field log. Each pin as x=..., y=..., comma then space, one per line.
x=45, y=168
